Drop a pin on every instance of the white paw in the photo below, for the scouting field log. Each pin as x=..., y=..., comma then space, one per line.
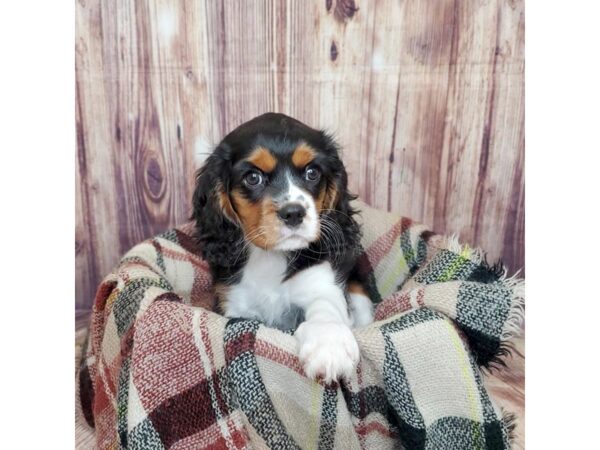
x=328, y=350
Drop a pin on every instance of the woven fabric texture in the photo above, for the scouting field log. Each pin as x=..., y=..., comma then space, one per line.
x=161, y=370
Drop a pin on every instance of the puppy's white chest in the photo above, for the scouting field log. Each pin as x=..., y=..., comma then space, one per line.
x=264, y=270
x=261, y=293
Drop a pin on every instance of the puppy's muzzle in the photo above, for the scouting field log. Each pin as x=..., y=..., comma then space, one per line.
x=292, y=214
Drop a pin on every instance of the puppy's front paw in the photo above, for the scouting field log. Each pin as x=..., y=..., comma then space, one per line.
x=328, y=350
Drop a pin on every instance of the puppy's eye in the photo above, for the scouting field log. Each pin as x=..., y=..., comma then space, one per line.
x=253, y=179
x=312, y=174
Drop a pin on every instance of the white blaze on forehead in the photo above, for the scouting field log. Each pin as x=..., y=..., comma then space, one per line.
x=296, y=194
x=308, y=230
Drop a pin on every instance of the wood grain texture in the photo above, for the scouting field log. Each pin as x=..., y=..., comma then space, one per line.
x=427, y=99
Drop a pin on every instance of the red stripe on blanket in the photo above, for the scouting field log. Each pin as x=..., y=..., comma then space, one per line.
x=184, y=236
x=184, y=414
x=376, y=427
x=421, y=297
x=238, y=438
x=291, y=361
x=196, y=261
x=127, y=342
x=383, y=244
x=269, y=351
x=106, y=426
x=221, y=405
x=202, y=285
x=102, y=400
x=212, y=438
x=202, y=290
x=203, y=325
x=243, y=343
x=165, y=357
x=105, y=417
x=398, y=302
x=266, y=350
x=99, y=315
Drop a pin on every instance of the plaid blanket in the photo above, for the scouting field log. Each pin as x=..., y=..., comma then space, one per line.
x=163, y=371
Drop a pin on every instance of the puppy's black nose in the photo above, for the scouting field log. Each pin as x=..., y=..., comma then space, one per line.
x=292, y=214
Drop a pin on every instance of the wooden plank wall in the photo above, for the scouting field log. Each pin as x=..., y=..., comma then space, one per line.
x=426, y=98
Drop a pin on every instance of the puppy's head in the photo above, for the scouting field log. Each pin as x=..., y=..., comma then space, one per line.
x=274, y=178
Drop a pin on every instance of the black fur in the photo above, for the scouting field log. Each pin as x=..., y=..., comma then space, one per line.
x=341, y=254
x=222, y=240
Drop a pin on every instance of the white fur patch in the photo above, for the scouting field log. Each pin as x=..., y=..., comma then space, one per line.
x=327, y=346
x=361, y=310
x=260, y=294
x=296, y=194
x=308, y=231
x=327, y=350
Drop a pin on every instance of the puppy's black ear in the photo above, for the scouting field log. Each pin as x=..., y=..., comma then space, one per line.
x=337, y=200
x=217, y=227
x=337, y=196
x=211, y=196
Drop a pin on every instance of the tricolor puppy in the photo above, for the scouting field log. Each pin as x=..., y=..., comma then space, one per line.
x=274, y=222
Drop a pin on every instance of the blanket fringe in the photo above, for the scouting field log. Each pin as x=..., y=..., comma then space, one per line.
x=513, y=326
x=510, y=422
x=473, y=254
x=516, y=316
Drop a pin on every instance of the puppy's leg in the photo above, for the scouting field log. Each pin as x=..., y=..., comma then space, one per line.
x=361, y=307
x=328, y=348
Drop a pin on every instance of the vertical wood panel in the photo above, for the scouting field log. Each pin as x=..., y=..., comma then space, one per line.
x=425, y=97
x=96, y=226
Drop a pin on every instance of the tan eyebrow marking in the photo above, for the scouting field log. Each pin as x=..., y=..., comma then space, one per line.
x=303, y=155
x=263, y=159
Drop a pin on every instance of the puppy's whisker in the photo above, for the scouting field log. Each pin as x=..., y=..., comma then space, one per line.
x=247, y=241
x=334, y=229
x=329, y=245
x=337, y=211
x=295, y=256
x=333, y=237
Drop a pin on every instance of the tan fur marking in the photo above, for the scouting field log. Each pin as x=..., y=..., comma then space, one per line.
x=263, y=159
x=354, y=287
x=327, y=198
x=303, y=155
x=332, y=196
x=259, y=220
x=221, y=292
x=320, y=200
x=225, y=204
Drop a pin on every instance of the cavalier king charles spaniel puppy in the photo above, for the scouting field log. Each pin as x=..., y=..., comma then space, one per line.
x=274, y=222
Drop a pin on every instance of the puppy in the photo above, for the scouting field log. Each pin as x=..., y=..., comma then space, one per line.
x=274, y=222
